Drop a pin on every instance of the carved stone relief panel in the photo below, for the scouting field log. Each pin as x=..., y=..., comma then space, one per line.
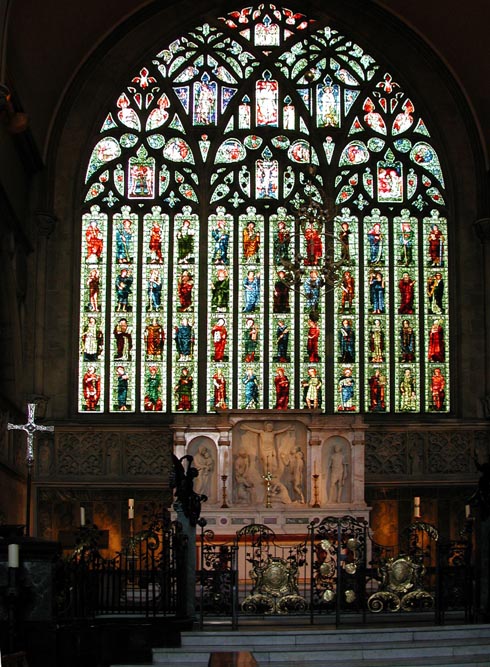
x=272, y=449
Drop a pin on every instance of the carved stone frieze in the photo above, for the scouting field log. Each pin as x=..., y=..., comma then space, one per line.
x=425, y=454
x=450, y=453
x=386, y=453
x=101, y=454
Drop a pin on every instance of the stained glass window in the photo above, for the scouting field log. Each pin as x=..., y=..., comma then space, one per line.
x=264, y=226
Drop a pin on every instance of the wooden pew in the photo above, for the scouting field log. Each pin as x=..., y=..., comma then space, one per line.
x=232, y=659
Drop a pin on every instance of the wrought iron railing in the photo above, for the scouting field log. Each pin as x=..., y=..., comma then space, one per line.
x=145, y=578
x=336, y=572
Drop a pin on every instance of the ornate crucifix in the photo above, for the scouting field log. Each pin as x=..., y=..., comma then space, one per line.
x=30, y=428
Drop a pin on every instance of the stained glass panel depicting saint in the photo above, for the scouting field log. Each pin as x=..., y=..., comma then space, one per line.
x=266, y=101
x=390, y=181
x=219, y=387
x=267, y=33
x=153, y=394
x=185, y=230
x=408, y=396
x=377, y=390
x=376, y=230
x=205, y=101
x=328, y=104
x=245, y=114
x=141, y=176
x=282, y=242
x=312, y=388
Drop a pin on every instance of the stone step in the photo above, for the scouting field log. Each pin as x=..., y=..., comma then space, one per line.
x=468, y=661
x=449, y=656
x=451, y=646
x=328, y=636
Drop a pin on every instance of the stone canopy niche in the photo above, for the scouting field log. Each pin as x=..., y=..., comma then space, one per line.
x=282, y=470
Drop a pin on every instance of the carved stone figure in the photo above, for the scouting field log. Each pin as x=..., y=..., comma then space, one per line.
x=204, y=463
x=296, y=463
x=244, y=485
x=337, y=468
x=267, y=445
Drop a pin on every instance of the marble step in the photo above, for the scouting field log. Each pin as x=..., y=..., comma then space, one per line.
x=451, y=646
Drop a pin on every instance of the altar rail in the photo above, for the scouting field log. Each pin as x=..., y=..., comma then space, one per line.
x=146, y=578
x=335, y=573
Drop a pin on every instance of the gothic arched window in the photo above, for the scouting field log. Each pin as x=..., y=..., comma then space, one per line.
x=264, y=226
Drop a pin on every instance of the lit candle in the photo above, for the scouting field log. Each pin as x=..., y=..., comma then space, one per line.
x=416, y=507
x=131, y=503
x=82, y=516
x=467, y=510
x=13, y=555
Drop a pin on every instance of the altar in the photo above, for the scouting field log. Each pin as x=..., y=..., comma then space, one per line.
x=282, y=470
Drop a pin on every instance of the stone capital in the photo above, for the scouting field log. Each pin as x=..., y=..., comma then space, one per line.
x=45, y=223
x=482, y=229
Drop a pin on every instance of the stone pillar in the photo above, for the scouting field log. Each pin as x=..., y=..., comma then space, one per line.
x=358, y=472
x=482, y=230
x=45, y=225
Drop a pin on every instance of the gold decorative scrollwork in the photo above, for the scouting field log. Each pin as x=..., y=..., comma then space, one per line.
x=275, y=588
x=401, y=587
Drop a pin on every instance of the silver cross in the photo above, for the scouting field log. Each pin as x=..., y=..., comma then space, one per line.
x=30, y=428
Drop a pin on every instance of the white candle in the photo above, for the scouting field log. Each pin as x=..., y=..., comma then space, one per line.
x=467, y=510
x=416, y=507
x=131, y=503
x=13, y=555
x=131, y=513
x=314, y=467
x=82, y=516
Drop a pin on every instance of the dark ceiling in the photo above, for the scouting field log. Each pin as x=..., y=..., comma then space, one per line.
x=48, y=41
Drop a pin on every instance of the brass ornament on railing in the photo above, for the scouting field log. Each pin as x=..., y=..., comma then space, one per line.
x=401, y=587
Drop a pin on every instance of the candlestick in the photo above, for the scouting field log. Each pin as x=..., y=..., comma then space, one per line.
x=82, y=516
x=316, y=502
x=13, y=555
x=224, y=491
x=268, y=486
